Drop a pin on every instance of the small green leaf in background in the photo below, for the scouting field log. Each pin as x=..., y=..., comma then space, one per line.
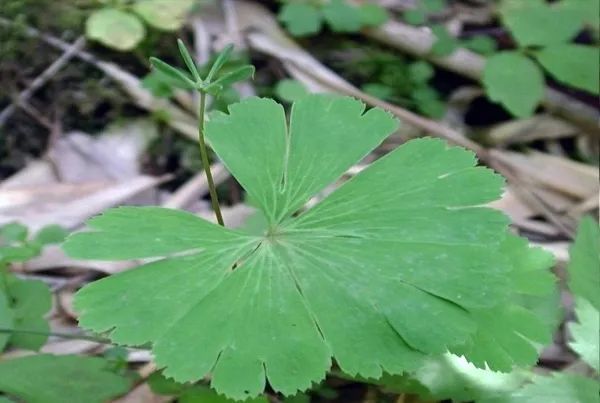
x=428, y=101
x=574, y=65
x=421, y=71
x=372, y=15
x=13, y=232
x=168, y=15
x=158, y=84
x=50, y=234
x=378, y=90
x=535, y=23
x=414, y=17
x=23, y=304
x=290, y=90
x=115, y=28
x=481, y=44
x=18, y=253
x=419, y=14
x=514, y=81
x=433, y=6
x=60, y=379
x=556, y=388
x=584, y=266
x=585, y=333
x=301, y=19
x=29, y=301
x=445, y=44
x=342, y=17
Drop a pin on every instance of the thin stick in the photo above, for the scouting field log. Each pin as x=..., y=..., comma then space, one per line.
x=42, y=79
x=206, y=163
x=57, y=334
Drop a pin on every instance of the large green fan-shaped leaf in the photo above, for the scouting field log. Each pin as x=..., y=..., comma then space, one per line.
x=511, y=334
x=389, y=267
x=60, y=379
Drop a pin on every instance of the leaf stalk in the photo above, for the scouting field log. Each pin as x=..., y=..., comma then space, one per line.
x=214, y=199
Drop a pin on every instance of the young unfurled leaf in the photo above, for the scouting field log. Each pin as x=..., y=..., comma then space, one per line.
x=222, y=58
x=529, y=23
x=239, y=74
x=514, y=81
x=168, y=15
x=574, y=65
x=115, y=28
x=60, y=379
x=361, y=277
x=511, y=334
x=188, y=60
x=301, y=19
x=173, y=74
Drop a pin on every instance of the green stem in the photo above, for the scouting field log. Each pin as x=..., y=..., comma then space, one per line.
x=205, y=162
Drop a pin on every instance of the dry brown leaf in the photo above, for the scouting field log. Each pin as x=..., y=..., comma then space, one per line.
x=527, y=130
